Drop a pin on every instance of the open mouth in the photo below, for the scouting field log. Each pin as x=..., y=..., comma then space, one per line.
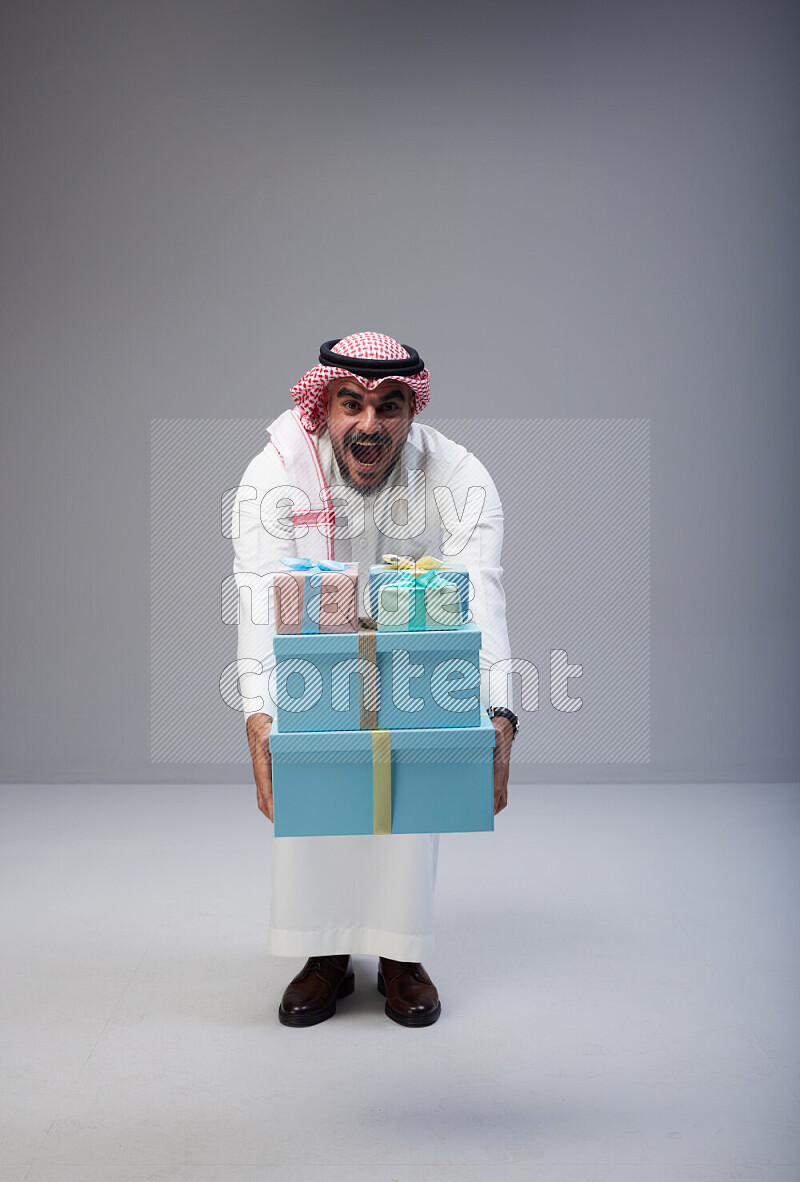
x=367, y=455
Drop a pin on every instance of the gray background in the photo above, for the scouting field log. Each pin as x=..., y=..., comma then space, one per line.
x=573, y=210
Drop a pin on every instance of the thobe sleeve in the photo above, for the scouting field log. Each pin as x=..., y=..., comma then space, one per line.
x=261, y=537
x=481, y=554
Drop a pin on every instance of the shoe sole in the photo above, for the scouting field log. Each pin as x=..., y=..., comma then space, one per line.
x=406, y=1019
x=345, y=989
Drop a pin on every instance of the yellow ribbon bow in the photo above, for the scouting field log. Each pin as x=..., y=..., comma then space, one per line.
x=415, y=566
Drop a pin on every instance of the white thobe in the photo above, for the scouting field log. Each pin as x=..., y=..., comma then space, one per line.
x=367, y=894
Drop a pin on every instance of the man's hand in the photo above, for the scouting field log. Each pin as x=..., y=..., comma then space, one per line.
x=258, y=728
x=503, y=736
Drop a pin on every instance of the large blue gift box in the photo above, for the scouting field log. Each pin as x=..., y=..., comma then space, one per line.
x=398, y=781
x=423, y=680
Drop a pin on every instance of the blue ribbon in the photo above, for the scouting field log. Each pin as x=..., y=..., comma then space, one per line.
x=310, y=565
x=312, y=602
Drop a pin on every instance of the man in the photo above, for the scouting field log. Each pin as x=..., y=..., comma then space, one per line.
x=346, y=459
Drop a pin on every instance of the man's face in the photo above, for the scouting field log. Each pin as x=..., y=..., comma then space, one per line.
x=368, y=429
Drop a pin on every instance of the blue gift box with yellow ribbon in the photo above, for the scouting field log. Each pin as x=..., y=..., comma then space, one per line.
x=429, y=780
x=371, y=680
x=418, y=594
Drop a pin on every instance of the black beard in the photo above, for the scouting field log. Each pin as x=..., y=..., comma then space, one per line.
x=365, y=490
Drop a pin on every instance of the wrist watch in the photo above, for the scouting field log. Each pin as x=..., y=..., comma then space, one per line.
x=504, y=712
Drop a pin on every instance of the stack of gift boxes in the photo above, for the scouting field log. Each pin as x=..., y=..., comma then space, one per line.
x=380, y=727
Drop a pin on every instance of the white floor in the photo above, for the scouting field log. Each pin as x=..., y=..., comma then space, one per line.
x=618, y=969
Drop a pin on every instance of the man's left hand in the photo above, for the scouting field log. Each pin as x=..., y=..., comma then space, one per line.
x=503, y=736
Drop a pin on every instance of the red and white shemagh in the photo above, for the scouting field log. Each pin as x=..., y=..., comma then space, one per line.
x=310, y=393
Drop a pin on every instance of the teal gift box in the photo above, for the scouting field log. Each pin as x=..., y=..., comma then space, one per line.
x=371, y=680
x=397, y=781
x=412, y=604
x=429, y=605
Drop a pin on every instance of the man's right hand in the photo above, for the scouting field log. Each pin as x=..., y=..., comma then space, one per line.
x=258, y=728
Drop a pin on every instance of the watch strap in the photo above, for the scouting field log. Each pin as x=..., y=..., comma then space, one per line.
x=504, y=712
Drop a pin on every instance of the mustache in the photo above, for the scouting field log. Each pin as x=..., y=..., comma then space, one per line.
x=358, y=437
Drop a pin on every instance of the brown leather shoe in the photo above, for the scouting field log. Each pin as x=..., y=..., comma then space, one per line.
x=310, y=997
x=411, y=996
